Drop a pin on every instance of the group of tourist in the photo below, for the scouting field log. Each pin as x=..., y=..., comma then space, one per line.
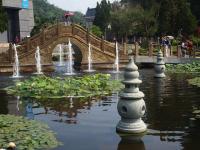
x=186, y=48
x=166, y=43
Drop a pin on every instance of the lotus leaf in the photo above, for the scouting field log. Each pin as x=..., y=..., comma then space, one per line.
x=46, y=87
x=26, y=134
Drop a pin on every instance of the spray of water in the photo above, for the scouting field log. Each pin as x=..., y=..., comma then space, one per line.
x=89, y=58
x=61, y=55
x=70, y=64
x=16, y=63
x=38, y=61
x=116, y=58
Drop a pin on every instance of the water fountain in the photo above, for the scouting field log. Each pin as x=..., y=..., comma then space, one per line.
x=38, y=61
x=116, y=65
x=16, y=63
x=70, y=61
x=61, y=63
x=90, y=59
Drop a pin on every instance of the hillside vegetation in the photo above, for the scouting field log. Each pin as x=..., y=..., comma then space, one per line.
x=46, y=14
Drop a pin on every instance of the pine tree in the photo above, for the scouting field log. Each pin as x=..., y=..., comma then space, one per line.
x=102, y=15
x=175, y=15
x=195, y=8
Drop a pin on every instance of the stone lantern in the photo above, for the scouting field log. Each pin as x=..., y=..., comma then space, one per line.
x=131, y=106
x=159, y=66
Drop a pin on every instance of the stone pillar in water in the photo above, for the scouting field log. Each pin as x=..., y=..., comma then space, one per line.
x=159, y=66
x=131, y=106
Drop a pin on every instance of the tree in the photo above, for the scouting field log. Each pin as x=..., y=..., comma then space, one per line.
x=185, y=19
x=96, y=31
x=195, y=5
x=102, y=16
x=122, y=21
x=175, y=15
x=147, y=22
x=167, y=16
x=3, y=18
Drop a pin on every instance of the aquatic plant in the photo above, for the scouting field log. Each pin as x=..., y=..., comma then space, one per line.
x=193, y=67
x=46, y=87
x=26, y=134
x=195, y=81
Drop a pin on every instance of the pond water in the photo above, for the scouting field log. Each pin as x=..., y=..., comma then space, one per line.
x=90, y=124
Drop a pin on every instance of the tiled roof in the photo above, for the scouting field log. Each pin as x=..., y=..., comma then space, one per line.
x=90, y=12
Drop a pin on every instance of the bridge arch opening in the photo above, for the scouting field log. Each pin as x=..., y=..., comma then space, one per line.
x=76, y=52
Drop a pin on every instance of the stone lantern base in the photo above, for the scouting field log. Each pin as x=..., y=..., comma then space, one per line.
x=161, y=75
x=131, y=126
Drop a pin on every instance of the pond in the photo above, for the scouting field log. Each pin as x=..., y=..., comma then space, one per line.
x=90, y=124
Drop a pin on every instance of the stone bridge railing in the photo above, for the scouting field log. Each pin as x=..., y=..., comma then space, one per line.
x=52, y=33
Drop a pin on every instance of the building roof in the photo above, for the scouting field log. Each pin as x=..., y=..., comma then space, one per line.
x=90, y=12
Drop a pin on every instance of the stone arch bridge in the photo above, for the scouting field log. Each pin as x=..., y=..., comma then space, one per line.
x=103, y=52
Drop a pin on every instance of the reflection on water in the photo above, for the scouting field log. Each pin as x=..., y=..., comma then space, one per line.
x=131, y=142
x=171, y=123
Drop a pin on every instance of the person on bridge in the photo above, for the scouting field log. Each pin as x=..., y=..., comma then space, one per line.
x=189, y=47
x=67, y=15
x=183, y=48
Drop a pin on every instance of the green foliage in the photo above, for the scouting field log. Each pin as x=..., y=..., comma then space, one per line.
x=3, y=18
x=175, y=42
x=46, y=87
x=184, y=68
x=147, y=22
x=166, y=16
x=195, y=40
x=26, y=134
x=124, y=21
x=102, y=16
x=195, y=81
x=96, y=31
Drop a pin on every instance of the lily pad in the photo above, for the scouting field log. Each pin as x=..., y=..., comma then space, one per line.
x=46, y=87
x=26, y=134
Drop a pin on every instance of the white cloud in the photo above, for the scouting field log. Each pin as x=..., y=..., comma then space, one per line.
x=75, y=5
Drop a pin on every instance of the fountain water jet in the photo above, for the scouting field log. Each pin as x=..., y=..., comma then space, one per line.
x=61, y=55
x=70, y=57
x=38, y=61
x=89, y=59
x=16, y=63
x=116, y=65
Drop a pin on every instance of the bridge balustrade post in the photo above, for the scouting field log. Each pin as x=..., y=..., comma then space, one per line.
x=102, y=43
x=43, y=36
x=136, y=45
x=125, y=48
x=10, y=53
x=58, y=29
x=72, y=25
x=164, y=51
x=28, y=43
x=179, y=51
x=194, y=52
x=150, y=49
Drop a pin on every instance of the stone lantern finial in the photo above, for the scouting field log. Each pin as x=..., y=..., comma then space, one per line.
x=160, y=66
x=131, y=106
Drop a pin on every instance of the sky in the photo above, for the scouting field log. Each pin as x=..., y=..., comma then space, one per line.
x=76, y=5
